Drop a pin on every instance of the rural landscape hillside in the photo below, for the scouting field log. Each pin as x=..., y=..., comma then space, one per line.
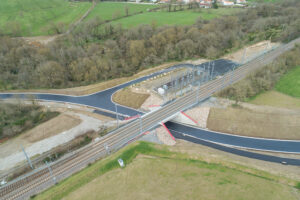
x=150, y=99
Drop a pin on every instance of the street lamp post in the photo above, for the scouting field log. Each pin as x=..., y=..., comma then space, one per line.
x=117, y=115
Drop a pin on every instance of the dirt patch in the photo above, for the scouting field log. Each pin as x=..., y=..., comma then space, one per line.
x=251, y=51
x=256, y=122
x=164, y=136
x=127, y=97
x=200, y=115
x=154, y=100
x=50, y=128
x=38, y=40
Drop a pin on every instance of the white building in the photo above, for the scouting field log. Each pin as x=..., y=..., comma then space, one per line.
x=227, y=3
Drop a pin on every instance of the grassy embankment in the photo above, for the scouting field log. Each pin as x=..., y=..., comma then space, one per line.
x=186, y=17
x=15, y=119
x=33, y=18
x=154, y=172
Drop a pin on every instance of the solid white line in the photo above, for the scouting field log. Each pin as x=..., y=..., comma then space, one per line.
x=241, y=136
x=228, y=145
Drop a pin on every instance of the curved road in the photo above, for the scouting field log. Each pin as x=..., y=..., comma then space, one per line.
x=286, y=146
x=102, y=100
x=258, y=156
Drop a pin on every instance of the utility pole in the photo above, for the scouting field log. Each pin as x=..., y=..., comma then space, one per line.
x=198, y=91
x=141, y=124
x=233, y=68
x=117, y=115
x=51, y=173
x=27, y=158
x=212, y=71
x=208, y=72
x=106, y=147
x=244, y=55
x=181, y=85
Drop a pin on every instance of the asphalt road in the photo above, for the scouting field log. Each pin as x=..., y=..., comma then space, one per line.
x=117, y=139
x=102, y=100
x=258, y=156
x=287, y=146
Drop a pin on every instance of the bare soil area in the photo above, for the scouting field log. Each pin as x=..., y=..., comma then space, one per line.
x=129, y=98
x=52, y=127
x=199, y=114
x=37, y=40
x=250, y=51
x=256, y=121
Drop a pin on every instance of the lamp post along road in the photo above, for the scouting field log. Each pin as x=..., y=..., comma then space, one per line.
x=117, y=115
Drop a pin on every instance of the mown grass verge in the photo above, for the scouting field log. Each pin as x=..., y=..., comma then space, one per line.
x=128, y=154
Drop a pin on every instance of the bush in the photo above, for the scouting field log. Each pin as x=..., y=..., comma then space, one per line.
x=16, y=119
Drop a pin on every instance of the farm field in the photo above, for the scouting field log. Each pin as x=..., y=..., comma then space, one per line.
x=111, y=10
x=38, y=17
x=290, y=83
x=171, y=175
x=186, y=17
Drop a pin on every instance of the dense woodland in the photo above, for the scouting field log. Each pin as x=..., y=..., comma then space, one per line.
x=97, y=51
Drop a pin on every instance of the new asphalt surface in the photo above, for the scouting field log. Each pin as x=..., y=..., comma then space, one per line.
x=102, y=100
x=264, y=157
x=287, y=146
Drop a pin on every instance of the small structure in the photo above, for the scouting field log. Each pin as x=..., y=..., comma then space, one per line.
x=240, y=1
x=227, y=3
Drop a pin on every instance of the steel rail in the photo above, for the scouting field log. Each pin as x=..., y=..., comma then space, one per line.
x=121, y=135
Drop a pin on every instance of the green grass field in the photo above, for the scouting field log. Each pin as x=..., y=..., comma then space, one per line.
x=174, y=18
x=110, y=10
x=34, y=17
x=290, y=83
x=155, y=172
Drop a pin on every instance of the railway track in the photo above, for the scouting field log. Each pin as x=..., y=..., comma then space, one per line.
x=41, y=178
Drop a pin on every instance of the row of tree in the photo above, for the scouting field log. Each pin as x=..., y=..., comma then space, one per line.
x=263, y=79
x=97, y=51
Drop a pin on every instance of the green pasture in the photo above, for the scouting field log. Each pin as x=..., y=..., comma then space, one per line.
x=186, y=17
x=38, y=17
x=111, y=10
